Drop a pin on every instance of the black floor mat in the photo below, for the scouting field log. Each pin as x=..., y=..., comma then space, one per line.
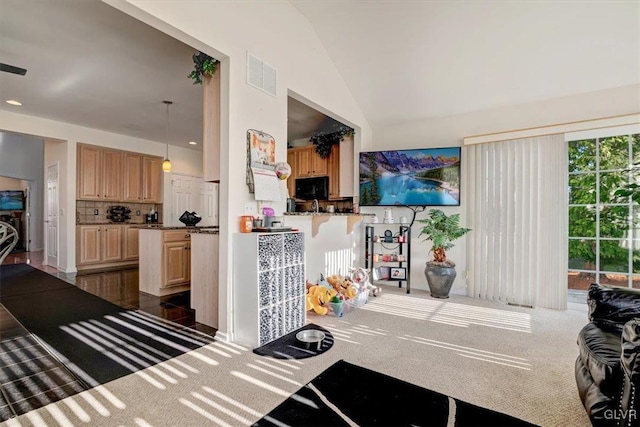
x=369, y=398
x=288, y=347
x=96, y=340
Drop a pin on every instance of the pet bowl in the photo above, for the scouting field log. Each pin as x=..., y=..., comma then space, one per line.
x=311, y=339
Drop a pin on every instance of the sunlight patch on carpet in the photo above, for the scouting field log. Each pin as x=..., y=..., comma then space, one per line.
x=450, y=313
x=473, y=353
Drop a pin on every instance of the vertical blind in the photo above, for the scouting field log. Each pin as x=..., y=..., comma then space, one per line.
x=517, y=208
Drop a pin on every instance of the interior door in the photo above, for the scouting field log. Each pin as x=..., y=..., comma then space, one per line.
x=184, y=194
x=51, y=223
x=208, y=203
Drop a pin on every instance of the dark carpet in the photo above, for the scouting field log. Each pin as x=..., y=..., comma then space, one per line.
x=288, y=347
x=369, y=398
x=96, y=340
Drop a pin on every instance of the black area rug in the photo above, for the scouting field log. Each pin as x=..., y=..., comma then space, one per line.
x=369, y=398
x=96, y=340
x=288, y=347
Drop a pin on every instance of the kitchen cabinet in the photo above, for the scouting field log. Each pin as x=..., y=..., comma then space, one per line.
x=165, y=261
x=112, y=162
x=89, y=172
x=99, y=246
x=88, y=246
x=269, y=286
x=111, y=236
x=99, y=175
x=130, y=250
x=176, y=263
x=151, y=179
x=341, y=169
x=119, y=176
x=308, y=162
x=132, y=177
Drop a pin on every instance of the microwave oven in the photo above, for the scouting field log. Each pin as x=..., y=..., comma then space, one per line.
x=312, y=188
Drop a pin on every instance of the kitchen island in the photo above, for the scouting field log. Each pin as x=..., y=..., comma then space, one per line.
x=166, y=258
x=330, y=241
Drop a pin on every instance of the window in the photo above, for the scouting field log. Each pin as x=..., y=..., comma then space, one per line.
x=604, y=228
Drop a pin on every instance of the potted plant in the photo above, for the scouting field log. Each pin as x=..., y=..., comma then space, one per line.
x=203, y=65
x=441, y=230
x=324, y=140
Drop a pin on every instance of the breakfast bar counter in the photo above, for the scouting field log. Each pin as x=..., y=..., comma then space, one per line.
x=329, y=240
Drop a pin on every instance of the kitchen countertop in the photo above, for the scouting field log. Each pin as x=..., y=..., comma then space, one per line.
x=141, y=224
x=204, y=230
x=213, y=229
x=326, y=214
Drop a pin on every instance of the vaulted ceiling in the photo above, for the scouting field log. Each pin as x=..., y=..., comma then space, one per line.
x=92, y=65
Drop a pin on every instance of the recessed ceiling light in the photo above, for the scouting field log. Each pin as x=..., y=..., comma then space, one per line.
x=14, y=102
x=193, y=143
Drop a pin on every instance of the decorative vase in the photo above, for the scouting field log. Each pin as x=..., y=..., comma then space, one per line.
x=440, y=278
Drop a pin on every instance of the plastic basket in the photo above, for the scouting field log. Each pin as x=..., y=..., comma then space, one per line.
x=360, y=299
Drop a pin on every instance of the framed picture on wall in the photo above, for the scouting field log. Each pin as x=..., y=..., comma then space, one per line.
x=398, y=273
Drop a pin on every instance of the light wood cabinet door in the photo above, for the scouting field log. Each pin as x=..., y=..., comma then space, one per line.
x=309, y=163
x=304, y=162
x=176, y=263
x=151, y=179
x=334, y=172
x=89, y=173
x=88, y=244
x=132, y=177
x=112, y=169
x=131, y=243
x=111, y=236
x=320, y=166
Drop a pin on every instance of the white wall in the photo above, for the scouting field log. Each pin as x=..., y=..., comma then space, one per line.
x=450, y=131
x=277, y=33
x=183, y=161
x=21, y=157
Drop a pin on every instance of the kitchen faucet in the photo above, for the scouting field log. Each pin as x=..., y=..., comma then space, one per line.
x=314, y=205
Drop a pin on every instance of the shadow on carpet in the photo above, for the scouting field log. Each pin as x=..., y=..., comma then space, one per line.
x=96, y=340
x=288, y=347
x=347, y=395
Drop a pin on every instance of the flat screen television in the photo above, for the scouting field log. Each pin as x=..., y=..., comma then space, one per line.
x=416, y=177
x=11, y=200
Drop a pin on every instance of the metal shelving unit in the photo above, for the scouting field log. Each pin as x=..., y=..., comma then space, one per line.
x=376, y=247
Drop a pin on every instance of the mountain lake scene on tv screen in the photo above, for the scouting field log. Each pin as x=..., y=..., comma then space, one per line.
x=427, y=177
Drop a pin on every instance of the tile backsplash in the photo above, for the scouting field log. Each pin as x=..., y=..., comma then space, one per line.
x=85, y=211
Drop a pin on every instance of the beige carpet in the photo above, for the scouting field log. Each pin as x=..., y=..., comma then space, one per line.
x=513, y=360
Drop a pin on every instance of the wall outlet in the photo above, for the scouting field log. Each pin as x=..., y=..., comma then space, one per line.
x=96, y=212
x=250, y=208
x=138, y=213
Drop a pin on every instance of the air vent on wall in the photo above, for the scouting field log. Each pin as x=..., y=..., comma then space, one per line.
x=261, y=75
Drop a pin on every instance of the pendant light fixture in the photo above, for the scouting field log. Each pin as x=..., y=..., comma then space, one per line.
x=166, y=165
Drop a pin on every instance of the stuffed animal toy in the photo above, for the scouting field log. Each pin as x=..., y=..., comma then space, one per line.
x=360, y=276
x=317, y=299
x=339, y=283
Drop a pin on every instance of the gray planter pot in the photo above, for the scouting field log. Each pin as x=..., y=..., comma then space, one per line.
x=440, y=278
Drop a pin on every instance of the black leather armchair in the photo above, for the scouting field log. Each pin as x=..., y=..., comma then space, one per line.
x=608, y=365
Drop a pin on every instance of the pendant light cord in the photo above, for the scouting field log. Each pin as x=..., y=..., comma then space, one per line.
x=167, y=127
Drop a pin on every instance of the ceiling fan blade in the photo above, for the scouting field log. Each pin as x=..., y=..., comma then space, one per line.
x=11, y=69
